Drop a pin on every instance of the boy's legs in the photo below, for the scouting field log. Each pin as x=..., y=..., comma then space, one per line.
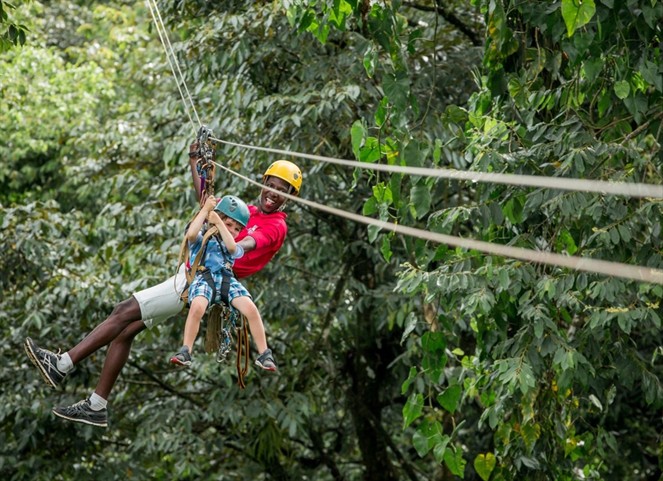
x=192, y=326
x=246, y=306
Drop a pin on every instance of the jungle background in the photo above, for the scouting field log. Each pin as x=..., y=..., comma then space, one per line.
x=400, y=359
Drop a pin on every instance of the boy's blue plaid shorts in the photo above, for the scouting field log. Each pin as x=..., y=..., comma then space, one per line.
x=201, y=288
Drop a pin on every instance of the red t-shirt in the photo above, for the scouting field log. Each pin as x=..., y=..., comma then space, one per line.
x=269, y=231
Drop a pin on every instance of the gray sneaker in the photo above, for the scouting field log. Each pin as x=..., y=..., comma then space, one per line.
x=182, y=358
x=82, y=412
x=46, y=361
x=266, y=361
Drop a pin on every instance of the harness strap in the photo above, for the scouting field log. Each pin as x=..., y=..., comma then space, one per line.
x=242, y=351
x=207, y=277
x=225, y=288
x=190, y=273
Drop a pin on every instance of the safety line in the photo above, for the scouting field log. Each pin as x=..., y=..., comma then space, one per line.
x=152, y=4
x=614, y=269
x=609, y=268
x=638, y=190
x=561, y=183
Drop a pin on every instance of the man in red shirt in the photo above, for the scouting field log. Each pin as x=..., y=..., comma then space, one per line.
x=261, y=240
x=268, y=231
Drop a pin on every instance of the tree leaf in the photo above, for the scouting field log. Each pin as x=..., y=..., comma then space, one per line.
x=577, y=13
x=484, y=465
x=357, y=133
x=397, y=89
x=453, y=458
x=427, y=436
x=421, y=199
x=622, y=89
x=596, y=402
x=450, y=397
x=413, y=409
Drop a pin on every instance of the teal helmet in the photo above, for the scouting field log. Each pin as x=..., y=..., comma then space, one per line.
x=233, y=207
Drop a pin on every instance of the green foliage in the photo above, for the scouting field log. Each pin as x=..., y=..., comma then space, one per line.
x=561, y=95
x=398, y=358
x=11, y=33
x=576, y=14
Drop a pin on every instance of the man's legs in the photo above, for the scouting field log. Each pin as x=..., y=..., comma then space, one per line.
x=54, y=367
x=125, y=314
x=93, y=410
x=152, y=305
x=116, y=358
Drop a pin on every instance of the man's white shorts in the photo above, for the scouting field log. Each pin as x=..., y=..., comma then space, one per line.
x=162, y=301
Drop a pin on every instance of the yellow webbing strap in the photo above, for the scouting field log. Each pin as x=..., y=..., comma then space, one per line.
x=184, y=254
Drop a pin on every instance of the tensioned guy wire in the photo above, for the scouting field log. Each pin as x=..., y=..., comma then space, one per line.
x=561, y=183
x=609, y=268
x=615, y=269
x=639, y=190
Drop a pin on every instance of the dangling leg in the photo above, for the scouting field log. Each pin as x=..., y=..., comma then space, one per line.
x=245, y=305
x=191, y=328
x=93, y=410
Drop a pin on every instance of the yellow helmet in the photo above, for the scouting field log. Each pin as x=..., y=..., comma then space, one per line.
x=287, y=171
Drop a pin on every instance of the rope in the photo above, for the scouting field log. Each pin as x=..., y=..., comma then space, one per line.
x=213, y=329
x=561, y=183
x=640, y=190
x=161, y=30
x=615, y=269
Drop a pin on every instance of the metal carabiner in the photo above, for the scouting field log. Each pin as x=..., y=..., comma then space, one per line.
x=204, y=133
x=225, y=346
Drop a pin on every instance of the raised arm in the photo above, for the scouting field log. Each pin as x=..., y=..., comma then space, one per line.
x=194, y=155
x=197, y=222
x=226, y=236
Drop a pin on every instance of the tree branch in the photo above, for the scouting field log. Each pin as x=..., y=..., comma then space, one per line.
x=450, y=17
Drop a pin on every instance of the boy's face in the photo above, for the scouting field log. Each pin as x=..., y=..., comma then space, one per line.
x=233, y=226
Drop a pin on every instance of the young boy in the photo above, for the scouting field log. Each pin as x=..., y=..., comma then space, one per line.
x=229, y=215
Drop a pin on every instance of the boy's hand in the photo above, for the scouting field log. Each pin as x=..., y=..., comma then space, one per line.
x=210, y=203
x=214, y=218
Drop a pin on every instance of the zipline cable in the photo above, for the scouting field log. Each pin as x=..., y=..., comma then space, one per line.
x=639, y=190
x=614, y=269
x=561, y=183
x=161, y=30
